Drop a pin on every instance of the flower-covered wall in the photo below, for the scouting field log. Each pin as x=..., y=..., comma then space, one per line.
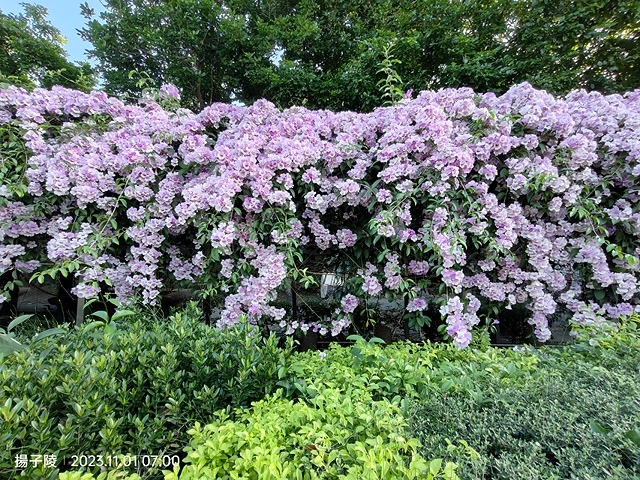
x=464, y=201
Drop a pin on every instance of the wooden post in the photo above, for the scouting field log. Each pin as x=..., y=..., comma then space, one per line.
x=79, y=311
x=406, y=321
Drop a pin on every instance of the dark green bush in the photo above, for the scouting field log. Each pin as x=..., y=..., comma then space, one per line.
x=578, y=427
x=579, y=417
x=128, y=388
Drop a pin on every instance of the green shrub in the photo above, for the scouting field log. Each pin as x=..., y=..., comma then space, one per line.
x=112, y=475
x=364, y=411
x=612, y=346
x=581, y=421
x=405, y=370
x=128, y=388
x=529, y=413
x=14, y=339
x=332, y=436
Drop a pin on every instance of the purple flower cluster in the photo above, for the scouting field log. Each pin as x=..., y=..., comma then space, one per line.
x=459, y=319
x=470, y=199
x=349, y=303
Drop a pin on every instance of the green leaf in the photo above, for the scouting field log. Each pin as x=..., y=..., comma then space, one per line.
x=434, y=466
x=9, y=345
x=101, y=314
x=89, y=302
x=634, y=436
x=92, y=325
x=122, y=313
x=596, y=427
x=446, y=385
x=48, y=333
x=114, y=301
x=18, y=320
x=45, y=352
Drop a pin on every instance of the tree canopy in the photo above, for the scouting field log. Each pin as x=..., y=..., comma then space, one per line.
x=32, y=52
x=328, y=53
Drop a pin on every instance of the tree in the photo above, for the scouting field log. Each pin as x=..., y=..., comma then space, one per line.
x=328, y=53
x=32, y=52
x=487, y=45
x=596, y=44
x=191, y=43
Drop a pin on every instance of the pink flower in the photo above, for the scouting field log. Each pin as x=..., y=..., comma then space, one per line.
x=84, y=290
x=384, y=196
x=349, y=303
x=371, y=286
x=346, y=238
x=416, y=304
x=452, y=278
x=169, y=91
x=311, y=175
x=223, y=235
x=418, y=267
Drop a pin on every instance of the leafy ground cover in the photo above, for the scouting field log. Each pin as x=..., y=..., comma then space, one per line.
x=233, y=405
x=578, y=416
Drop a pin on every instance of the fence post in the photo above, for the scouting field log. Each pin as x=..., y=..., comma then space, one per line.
x=79, y=311
x=405, y=320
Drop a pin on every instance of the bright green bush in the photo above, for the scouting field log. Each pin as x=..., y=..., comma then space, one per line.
x=113, y=475
x=404, y=370
x=333, y=435
x=130, y=389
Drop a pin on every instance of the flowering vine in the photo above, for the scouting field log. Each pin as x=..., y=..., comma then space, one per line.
x=454, y=198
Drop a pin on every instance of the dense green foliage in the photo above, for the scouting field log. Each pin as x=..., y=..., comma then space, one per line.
x=327, y=54
x=348, y=412
x=111, y=475
x=403, y=371
x=189, y=43
x=333, y=435
x=569, y=412
x=128, y=388
x=575, y=424
x=11, y=343
x=578, y=417
x=32, y=53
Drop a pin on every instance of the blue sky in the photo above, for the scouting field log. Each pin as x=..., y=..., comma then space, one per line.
x=65, y=16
